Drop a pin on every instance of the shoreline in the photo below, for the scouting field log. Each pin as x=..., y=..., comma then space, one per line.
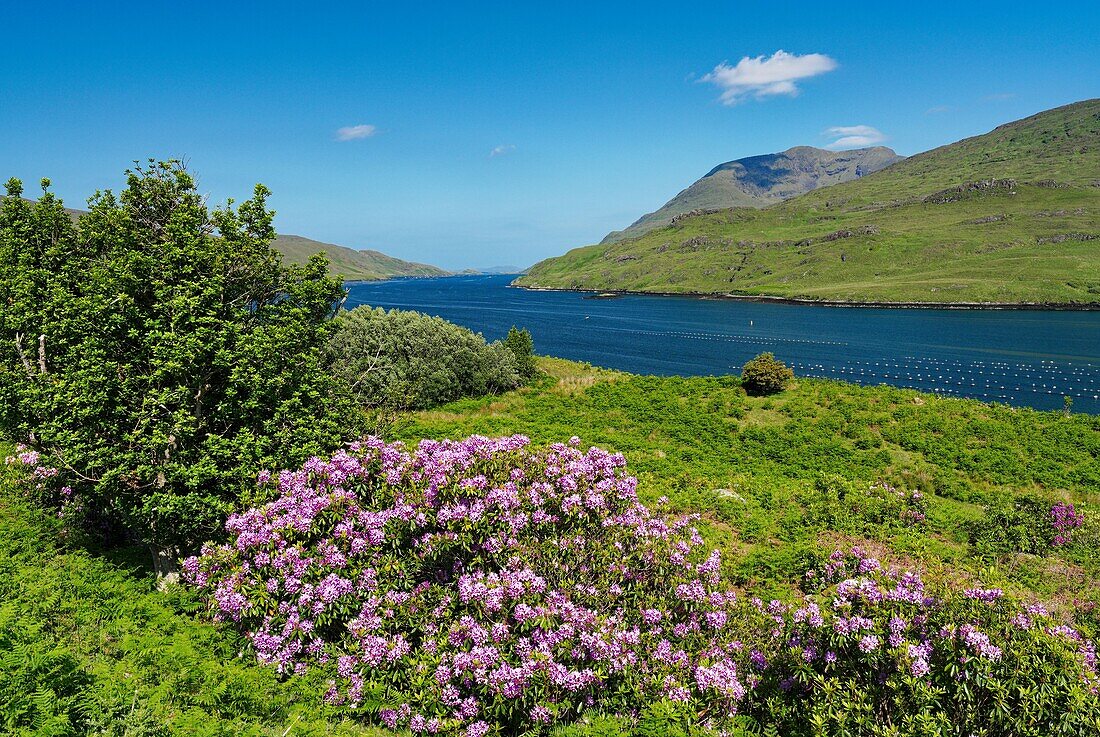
x=1037, y=306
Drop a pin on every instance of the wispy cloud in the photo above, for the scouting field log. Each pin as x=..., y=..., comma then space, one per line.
x=505, y=148
x=853, y=136
x=938, y=109
x=766, y=76
x=355, y=132
x=999, y=96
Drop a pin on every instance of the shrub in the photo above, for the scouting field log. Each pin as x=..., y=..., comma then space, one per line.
x=520, y=344
x=89, y=647
x=158, y=353
x=765, y=375
x=864, y=509
x=1023, y=526
x=483, y=586
x=409, y=360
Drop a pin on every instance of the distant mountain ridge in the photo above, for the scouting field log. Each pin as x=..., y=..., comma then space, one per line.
x=760, y=181
x=350, y=263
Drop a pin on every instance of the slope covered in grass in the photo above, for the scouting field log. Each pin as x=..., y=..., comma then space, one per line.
x=1010, y=216
x=87, y=644
x=349, y=263
x=778, y=477
x=759, y=181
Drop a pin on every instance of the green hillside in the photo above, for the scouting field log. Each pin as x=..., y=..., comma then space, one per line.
x=351, y=264
x=759, y=181
x=1010, y=216
x=365, y=265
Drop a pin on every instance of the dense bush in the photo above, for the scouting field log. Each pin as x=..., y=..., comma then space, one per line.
x=765, y=374
x=408, y=360
x=1023, y=525
x=158, y=353
x=482, y=586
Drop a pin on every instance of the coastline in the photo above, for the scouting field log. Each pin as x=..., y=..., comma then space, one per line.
x=1045, y=306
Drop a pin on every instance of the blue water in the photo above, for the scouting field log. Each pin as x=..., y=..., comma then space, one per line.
x=1021, y=357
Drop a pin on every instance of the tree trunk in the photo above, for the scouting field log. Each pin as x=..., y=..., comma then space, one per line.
x=166, y=563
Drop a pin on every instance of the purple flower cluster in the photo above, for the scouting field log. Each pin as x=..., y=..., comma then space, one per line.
x=883, y=621
x=507, y=577
x=39, y=480
x=482, y=584
x=1066, y=520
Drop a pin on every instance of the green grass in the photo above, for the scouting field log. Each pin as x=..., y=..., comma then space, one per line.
x=754, y=466
x=1021, y=245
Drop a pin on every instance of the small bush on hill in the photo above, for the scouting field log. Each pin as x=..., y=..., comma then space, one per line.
x=482, y=586
x=158, y=353
x=765, y=375
x=408, y=360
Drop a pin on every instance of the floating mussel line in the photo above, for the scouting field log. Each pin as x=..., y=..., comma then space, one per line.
x=725, y=337
x=977, y=379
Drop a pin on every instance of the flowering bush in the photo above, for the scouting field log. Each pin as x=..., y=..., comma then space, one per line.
x=483, y=586
x=1065, y=519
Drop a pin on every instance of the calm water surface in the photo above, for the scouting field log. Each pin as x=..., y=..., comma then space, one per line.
x=1022, y=357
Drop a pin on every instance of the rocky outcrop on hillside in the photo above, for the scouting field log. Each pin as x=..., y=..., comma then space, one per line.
x=759, y=181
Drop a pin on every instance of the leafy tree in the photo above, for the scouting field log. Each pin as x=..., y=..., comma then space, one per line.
x=159, y=353
x=407, y=360
x=521, y=345
x=765, y=374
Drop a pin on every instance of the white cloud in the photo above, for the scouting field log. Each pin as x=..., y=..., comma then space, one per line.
x=762, y=76
x=355, y=132
x=505, y=148
x=999, y=96
x=853, y=136
x=937, y=110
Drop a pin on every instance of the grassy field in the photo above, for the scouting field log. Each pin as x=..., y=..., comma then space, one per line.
x=764, y=471
x=902, y=234
x=88, y=645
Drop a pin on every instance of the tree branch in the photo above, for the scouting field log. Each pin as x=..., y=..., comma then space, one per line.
x=23, y=356
x=42, y=353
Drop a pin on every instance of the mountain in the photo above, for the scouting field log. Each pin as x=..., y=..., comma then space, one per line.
x=349, y=263
x=759, y=181
x=1011, y=216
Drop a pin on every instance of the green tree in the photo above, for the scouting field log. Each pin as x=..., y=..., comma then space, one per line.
x=765, y=374
x=159, y=353
x=521, y=345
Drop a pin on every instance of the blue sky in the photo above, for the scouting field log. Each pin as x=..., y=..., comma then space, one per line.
x=483, y=134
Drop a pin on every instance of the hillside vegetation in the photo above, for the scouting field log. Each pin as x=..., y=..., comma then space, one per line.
x=1011, y=216
x=775, y=477
x=779, y=481
x=759, y=181
x=349, y=263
